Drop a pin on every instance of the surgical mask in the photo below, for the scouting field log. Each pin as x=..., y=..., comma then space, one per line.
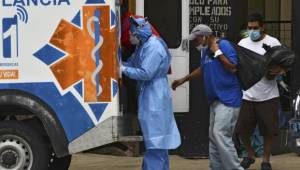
x=254, y=35
x=134, y=40
x=201, y=47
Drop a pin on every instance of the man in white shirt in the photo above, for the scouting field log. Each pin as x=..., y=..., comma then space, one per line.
x=260, y=102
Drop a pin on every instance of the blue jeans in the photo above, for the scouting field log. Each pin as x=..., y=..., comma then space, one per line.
x=257, y=143
x=222, y=153
x=156, y=159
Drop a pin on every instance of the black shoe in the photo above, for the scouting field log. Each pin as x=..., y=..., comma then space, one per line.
x=246, y=162
x=266, y=166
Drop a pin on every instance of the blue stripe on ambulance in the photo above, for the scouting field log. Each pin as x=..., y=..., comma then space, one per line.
x=72, y=116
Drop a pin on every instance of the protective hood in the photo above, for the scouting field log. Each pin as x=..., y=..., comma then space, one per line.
x=140, y=27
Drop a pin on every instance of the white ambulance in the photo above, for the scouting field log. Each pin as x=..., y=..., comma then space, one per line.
x=59, y=80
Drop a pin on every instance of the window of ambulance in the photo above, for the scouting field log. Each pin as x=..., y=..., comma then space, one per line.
x=165, y=16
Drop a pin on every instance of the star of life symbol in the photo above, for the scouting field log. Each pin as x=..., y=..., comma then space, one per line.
x=91, y=53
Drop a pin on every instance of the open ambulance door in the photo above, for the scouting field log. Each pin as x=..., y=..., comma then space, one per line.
x=171, y=20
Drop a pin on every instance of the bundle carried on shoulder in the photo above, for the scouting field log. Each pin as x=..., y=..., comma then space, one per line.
x=252, y=67
x=279, y=56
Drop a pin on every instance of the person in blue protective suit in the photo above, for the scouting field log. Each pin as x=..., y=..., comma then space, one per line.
x=149, y=65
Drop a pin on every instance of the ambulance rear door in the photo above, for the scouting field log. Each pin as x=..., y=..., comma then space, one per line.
x=171, y=19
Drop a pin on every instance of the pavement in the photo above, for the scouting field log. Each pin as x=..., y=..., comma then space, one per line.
x=88, y=161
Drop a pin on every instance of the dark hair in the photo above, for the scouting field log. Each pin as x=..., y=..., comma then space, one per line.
x=256, y=17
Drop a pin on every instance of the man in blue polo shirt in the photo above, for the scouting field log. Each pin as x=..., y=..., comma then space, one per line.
x=218, y=67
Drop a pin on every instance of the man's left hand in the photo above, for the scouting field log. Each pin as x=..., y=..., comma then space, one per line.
x=275, y=70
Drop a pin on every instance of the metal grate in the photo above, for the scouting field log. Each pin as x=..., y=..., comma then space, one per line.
x=282, y=30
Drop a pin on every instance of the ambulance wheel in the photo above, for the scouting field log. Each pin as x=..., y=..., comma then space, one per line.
x=21, y=147
x=59, y=163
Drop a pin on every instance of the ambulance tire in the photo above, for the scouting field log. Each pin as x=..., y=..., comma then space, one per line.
x=22, y=146
x=62, y=163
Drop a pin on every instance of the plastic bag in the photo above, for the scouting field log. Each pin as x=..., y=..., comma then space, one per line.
x=251, y=67
x=280, y=55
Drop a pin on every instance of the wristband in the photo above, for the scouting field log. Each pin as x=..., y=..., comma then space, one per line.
x=218, y=53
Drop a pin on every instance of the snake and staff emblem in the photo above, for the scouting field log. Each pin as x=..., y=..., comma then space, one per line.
x=95, y=54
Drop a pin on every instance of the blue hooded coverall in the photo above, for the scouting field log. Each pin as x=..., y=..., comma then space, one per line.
x=149, y=66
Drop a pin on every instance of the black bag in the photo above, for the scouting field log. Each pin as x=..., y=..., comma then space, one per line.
x=280, y=55
x=251, y=67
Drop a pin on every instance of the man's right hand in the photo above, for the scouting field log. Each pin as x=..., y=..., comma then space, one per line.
x=177, y=83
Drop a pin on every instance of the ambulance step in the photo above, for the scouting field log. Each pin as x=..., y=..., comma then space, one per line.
x=130, y=138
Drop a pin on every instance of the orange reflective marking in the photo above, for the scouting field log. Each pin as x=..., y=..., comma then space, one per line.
x=9, y=74
x=78, y=64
